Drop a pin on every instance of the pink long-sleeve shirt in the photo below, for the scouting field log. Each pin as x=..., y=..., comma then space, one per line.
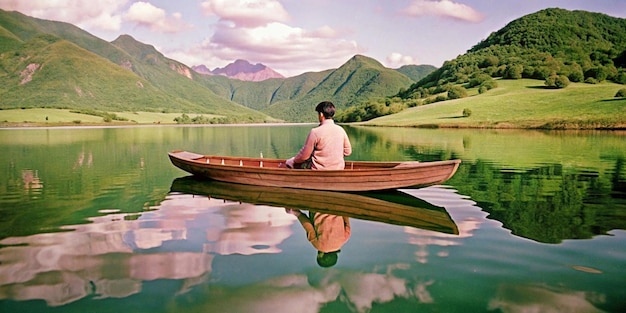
x=328, y=144
x=326, y=232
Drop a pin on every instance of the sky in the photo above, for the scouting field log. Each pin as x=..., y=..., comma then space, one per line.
x=297, y=36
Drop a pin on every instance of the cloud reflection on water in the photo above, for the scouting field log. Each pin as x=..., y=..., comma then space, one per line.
x=114, y=254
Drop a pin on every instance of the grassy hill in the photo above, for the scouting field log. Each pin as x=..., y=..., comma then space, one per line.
x=523, y=103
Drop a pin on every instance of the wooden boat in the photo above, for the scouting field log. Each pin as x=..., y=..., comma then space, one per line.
x=357, y=175
x=390, y=206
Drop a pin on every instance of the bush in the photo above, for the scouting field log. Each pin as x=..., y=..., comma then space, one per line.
x=487, y=85
x=457, y=92
x=576, y=76
x=183, y=119
x=467, y=112
x=620, y=78
x=621, y=93
x=554, y=81
x=478, y=79
x=514, y=71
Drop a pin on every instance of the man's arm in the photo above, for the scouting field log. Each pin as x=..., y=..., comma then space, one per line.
x=307, y=149
x=347, y=147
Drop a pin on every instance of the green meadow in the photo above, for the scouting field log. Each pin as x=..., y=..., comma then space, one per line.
x=54, y=117
x=522, y=103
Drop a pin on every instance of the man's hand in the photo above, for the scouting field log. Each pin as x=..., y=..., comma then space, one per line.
x=293, y=212
x=289, y=163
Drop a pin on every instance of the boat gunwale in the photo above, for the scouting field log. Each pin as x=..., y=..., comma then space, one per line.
x=376, y=167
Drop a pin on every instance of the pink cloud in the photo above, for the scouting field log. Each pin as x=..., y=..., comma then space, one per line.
x=443, y=8
x=102, y=15
x=155, y=18
x=246, y=13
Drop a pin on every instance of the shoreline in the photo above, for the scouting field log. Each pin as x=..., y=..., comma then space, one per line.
x=13, y=126
x=69, y=125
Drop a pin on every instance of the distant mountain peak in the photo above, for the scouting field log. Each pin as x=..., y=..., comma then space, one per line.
x=242, y=70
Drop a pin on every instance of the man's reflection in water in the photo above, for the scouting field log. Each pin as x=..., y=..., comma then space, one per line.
x=326, y=232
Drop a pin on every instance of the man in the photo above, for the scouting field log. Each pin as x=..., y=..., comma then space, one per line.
x=326, y=232
x=326, y=145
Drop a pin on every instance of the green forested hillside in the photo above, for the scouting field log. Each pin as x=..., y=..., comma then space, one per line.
x=57, y=65
x=581, y=46
x=292, y=99
x=261, y=95
x=50, y=72
x=358, y=80
x=416, y=72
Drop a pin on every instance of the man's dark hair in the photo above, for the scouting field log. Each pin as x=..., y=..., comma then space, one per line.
x=327, y=108
x=327, y=259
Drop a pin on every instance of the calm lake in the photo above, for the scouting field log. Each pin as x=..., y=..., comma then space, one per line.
x=98, y=220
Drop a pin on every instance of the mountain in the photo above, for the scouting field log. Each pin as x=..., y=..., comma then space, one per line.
x=202, y=69
x=57, y=65
x=292, y=99
x=241, y=70
x=359, y=79
x=416, y=72
x=579, y=45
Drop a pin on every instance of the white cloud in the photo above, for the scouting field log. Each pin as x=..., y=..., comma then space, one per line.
x=101, y=15
x=288, y=50
x=156, y=19
x=255, y=30
x=246, y=13
x=443, y=8
x=395, y=60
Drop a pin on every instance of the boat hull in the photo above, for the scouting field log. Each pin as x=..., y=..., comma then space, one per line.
x=357, y=176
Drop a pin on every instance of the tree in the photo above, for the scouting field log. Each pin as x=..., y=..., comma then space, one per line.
x=600, y=73
x=620, y=78
x=514, y=71
x=477, y=79
x=487, y=85
x=576, y=76
x=457, y=92
x=554, y=81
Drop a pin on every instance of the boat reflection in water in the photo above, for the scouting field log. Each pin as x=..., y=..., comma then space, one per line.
x=327, y=224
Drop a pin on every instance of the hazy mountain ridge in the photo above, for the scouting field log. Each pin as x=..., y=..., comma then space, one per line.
x=241, y=70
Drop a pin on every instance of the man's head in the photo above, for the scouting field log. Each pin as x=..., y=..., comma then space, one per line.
x=326, y=108
x=327, y=259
